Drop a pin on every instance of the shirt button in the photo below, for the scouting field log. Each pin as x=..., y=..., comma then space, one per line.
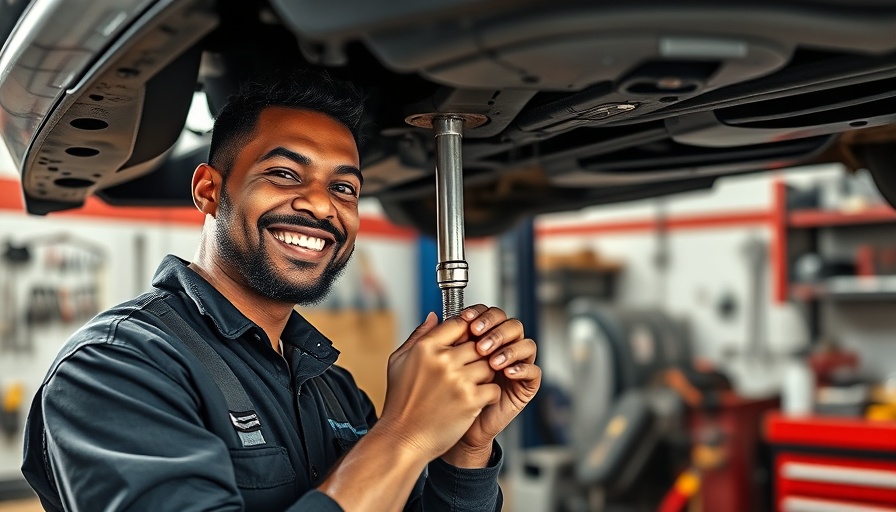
x=314, y=473
x=256, y=336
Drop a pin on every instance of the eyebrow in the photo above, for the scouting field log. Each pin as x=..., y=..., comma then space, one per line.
x=301, y=159
x=352, y=170
x=285, y=153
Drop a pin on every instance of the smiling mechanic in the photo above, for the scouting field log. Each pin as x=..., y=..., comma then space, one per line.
x=211, y=393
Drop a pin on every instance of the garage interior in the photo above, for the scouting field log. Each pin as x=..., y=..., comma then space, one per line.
x=728, y=349
x=694, y=224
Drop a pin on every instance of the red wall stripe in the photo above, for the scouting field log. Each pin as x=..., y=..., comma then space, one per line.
x=11, y=195
x=11, y=199
x=94, y=207
x=376, y=226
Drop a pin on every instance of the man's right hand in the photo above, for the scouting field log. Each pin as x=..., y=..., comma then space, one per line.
x=436, y=387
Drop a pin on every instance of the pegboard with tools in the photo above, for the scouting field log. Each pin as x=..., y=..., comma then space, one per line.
x=44, y=281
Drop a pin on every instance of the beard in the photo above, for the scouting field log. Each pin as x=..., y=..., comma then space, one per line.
x=256, y=267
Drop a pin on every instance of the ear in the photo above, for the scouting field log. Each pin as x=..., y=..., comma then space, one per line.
x=207, y=183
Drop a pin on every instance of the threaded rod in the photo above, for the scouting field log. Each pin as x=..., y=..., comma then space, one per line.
x=452, y=302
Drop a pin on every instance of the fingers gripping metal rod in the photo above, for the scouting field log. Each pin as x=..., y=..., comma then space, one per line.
x=452, y=269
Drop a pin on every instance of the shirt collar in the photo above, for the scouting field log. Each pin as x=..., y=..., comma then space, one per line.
x=175, y=276
x=301, y=334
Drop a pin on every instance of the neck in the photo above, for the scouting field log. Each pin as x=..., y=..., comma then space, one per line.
x=268, y=314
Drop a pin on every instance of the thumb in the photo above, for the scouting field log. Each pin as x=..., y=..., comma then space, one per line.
x=428, y=324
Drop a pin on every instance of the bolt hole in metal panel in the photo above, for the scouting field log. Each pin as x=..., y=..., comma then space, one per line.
x=82, y=152
x=73, y=183
x=89, y=123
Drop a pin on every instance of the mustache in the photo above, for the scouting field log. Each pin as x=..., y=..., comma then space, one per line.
x=301, y=220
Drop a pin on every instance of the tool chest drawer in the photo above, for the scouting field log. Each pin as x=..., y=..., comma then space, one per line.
x=833, y=464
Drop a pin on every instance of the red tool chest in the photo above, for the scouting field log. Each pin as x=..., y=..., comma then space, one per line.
x=832, y=464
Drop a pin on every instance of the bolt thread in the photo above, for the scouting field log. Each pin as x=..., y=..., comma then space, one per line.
x=452, y=302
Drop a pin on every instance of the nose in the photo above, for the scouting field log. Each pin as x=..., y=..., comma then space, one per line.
x=316, y=200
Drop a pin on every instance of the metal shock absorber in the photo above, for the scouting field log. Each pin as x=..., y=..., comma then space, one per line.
x=452, y=271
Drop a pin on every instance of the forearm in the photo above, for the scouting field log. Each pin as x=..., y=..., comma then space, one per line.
x=378, y=474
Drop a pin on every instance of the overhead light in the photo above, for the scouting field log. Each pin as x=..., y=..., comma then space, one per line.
x=199, y=119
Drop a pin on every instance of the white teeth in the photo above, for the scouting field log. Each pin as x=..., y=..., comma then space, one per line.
x=304, y=241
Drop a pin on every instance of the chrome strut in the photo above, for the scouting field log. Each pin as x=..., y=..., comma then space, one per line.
x=452, y=271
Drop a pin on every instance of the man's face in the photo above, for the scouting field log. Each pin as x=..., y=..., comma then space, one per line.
x=288, y=212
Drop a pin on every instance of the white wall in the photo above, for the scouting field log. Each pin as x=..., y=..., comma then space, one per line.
x=118, y=282
x=7, y=168
x=394, y=264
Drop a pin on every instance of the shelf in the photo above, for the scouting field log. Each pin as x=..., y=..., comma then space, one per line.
x=820, y=218
x=847, y=288
x=558, y=286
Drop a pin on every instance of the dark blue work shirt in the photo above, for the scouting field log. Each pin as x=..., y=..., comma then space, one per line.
x=128, y=418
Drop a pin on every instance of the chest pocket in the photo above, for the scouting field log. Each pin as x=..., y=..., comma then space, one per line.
x=264, y=476
x=261, y=468
x=345, y=435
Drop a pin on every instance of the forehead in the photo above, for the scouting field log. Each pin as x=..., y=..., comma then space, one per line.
x=311, y=133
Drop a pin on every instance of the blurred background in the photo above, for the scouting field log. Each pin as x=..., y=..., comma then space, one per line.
x=709, y=345
x=720, y=350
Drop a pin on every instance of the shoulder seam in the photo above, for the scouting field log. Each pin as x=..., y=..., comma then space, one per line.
x=110, y=333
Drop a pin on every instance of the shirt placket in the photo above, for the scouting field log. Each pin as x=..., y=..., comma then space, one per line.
x=306, y=367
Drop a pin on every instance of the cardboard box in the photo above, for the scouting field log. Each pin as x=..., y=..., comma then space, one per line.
x=365, y=340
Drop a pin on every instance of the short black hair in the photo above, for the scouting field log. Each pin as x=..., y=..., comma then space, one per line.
x=306, y=89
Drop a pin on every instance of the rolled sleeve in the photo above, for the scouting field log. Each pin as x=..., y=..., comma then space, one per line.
x=459, y=489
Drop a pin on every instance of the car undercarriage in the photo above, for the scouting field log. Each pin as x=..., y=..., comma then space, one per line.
x=586, y=102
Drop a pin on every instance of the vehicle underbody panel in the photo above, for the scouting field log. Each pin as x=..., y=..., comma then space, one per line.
x=588, y=102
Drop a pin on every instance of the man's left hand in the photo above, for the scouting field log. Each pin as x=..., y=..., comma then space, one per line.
x=512, y=356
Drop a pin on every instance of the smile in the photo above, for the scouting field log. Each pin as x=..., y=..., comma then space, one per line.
x=303, y=241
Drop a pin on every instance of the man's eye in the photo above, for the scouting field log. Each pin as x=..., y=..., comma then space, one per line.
x=345, y=188
x=283, y=173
